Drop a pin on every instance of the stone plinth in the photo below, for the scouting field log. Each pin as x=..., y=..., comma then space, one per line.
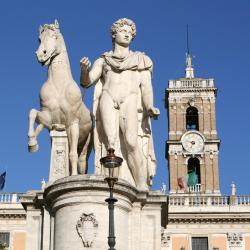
x=59, y=161
x=80, y=213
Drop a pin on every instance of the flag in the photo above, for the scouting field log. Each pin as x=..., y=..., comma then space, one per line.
x=192, y=179
x=2, y=180
x=182, y=182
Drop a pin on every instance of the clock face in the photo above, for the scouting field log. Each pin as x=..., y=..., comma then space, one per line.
x=192, y=142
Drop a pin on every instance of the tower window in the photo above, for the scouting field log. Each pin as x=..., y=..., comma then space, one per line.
x=192, y=119
x=194, y=175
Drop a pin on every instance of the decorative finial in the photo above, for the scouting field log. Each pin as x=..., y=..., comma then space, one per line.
x=233, y=188
x=189, y=66
x=43, y=183
x=163, y=188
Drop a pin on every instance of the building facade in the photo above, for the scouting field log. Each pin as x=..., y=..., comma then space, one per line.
x=13, y=223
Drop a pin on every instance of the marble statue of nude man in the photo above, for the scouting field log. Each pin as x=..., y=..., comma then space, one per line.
x=124, y=74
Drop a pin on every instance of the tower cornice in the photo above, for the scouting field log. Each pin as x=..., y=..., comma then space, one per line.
x=191, y=89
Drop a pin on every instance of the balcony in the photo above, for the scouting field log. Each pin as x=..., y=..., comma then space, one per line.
x=9, y=197
x=191, y=83
x=208, y=203
x=195, y=189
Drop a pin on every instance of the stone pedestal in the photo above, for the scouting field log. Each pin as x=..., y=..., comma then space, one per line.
x=80, y=213
x=59, y=161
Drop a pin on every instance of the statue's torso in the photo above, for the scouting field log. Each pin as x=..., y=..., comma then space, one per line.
x=121, y=76
x=120, y=85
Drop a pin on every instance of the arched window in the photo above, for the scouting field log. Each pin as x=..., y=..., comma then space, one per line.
x=194, y=175
x=192, y=118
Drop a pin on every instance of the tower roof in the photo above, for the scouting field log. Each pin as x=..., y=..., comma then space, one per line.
x=189, y=67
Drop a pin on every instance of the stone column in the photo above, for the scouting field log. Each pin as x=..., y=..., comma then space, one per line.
x=209, y=173
x=51, y=233
x=173, y=173
x=59, y=161
x=46, y=230
x=182, y=171
x=216, y=173
x=206, y=119
x=213, y=119
x=203, y=172
x=135, y=223
x=34, y=222
x=151, y=227
x=172, y=120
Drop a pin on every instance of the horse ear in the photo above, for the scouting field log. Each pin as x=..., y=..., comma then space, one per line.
x=56, y=24
x=40, y=29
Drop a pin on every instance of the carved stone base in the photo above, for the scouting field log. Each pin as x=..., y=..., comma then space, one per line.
x=81, y=219
x=59, y=161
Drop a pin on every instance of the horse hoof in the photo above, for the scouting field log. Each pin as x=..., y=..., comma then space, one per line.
x=33, y=148
x=32, y=145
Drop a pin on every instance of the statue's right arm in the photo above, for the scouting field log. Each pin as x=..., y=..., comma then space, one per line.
x=90, y=76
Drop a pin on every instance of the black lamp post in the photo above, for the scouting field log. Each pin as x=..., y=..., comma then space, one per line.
x=111, y=162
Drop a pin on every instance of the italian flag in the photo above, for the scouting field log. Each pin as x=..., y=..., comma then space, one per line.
x=191, y=179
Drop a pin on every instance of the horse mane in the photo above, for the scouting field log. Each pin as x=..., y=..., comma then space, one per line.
x=53, y=27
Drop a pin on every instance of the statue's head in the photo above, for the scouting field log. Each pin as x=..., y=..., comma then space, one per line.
x=49, y=38
x=120, y=24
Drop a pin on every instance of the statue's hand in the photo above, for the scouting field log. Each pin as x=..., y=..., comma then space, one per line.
x=154, y=113
x=85, y=64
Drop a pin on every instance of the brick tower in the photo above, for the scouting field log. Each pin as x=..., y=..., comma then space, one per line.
x=193, y=145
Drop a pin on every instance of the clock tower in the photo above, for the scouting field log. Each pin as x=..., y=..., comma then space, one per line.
x=193, y=145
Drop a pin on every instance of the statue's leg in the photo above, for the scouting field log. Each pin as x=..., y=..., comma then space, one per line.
x=73, y=135
x=43, y=119
x=129, y=127
x=109, y=119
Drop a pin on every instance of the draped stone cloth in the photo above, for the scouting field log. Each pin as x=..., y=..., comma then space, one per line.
x=135, y=61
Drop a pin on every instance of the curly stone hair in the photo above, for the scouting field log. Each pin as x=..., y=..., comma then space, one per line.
x=121, y=22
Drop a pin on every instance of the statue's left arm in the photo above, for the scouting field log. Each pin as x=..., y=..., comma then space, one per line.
x=147, y=93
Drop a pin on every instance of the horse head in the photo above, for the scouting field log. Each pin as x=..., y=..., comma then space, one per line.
x=51, y=42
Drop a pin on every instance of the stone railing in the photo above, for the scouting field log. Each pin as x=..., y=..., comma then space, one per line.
x=9, y=197
x=242, y=200
x=195, y=189
x=191, y=83
x=200, y=200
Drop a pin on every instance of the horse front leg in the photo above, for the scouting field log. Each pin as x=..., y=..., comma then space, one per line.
x=32, y=133
x=73, y=134
x=43, y=119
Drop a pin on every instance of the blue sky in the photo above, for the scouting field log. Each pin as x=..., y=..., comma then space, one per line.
x=219, y=40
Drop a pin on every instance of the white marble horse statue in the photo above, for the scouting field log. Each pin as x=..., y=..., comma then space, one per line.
x=61, y=105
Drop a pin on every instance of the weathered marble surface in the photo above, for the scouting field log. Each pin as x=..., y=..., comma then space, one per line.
x=123, y=105
x=59, y=160
x=61, y=103
x=137, y=214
